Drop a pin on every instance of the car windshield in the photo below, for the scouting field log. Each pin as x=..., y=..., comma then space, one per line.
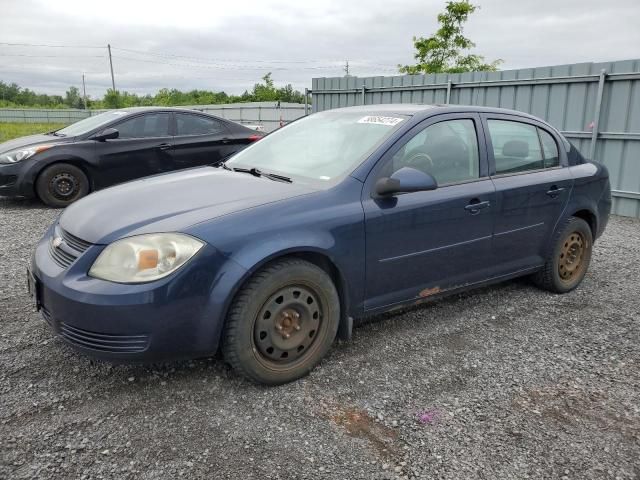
x=89, y=124
x=322, y=148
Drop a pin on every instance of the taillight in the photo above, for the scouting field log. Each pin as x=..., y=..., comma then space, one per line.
x=254, y=138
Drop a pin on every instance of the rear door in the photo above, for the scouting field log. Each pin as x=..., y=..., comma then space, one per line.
x=201, y=140
x=533, y=184
x=142, y=148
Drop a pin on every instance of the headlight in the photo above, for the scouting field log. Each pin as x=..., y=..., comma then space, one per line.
x=144, y=258
x=15, y=156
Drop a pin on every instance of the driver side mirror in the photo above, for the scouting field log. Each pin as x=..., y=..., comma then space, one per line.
x=106, y=134
x=405, y=180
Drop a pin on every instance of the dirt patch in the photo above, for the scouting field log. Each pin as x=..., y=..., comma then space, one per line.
x=359, y=424
x=571, y=407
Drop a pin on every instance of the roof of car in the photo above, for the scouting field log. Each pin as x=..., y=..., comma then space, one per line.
x=415, y=108
x=163, y=109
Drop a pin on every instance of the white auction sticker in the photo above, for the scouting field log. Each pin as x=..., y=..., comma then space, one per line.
x=391, y=121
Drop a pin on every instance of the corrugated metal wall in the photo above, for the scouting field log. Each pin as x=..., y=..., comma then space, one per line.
x=267, y=114
x=599, y=113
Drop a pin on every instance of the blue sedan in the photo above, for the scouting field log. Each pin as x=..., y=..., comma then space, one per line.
x=340, y=215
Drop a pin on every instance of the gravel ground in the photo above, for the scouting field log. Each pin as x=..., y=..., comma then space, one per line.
x=502, y=382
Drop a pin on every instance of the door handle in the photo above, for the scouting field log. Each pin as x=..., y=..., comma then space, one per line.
x=554, y=191
x=164, y=146
x=226, y=140
x=476, y=205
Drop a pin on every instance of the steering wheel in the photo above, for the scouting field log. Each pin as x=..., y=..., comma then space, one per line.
x=420, y=161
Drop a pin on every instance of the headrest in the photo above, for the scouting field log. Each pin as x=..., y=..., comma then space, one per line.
x=515, y=148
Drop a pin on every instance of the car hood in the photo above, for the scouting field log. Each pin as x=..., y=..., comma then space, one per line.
x=30, y=141
x=170, y=202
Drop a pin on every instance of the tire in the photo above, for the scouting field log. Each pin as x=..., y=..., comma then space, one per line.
x=568, y=259
x=282, y=322
x=61, y=184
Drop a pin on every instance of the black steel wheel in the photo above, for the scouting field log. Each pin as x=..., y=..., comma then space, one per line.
x=282, y=322
x=61, y=184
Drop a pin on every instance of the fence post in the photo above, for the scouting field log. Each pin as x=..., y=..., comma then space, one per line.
x=448, y=92
x=306, y=102
x=596, y=115
x=364, y=93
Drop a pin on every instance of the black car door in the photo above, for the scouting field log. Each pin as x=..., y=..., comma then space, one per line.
x=200, y=140
x=141, y=149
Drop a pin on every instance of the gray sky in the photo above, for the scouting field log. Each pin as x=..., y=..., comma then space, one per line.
x=230, y=45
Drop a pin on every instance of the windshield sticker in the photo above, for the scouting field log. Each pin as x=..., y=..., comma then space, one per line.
x=391, y=121
x=120, y=113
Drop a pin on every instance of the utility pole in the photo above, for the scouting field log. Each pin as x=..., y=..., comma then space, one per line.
x=84, y=92
x=113, y=82
x=346, y=68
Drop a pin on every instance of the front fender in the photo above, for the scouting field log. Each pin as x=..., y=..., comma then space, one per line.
x=327, y=225
x=37, y=165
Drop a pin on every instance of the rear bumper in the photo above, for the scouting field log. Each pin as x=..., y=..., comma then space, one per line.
x=180, y=316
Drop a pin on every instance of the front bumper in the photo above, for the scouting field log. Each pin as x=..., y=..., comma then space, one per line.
x=180, y=316
x=12, y=180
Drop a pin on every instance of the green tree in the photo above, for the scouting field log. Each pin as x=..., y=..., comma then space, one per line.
x=443, y=51
x=73, y=99
x=112, y=99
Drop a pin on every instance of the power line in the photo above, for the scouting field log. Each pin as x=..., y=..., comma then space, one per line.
x=193, y=58
x=210, y=66
x=48, y=46
x=52, y=56
x=215, y=60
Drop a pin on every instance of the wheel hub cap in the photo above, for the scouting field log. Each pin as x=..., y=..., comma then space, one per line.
x=571, y=254
x=287, y=324
x=64, y=185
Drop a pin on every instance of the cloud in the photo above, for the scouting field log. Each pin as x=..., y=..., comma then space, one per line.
x=231, y=45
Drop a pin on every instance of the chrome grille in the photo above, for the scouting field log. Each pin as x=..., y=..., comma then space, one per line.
x=65, y=248
x=73, y=241
x=62, y=258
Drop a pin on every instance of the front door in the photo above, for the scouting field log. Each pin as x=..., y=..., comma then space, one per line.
x=142, y=148
x=422, y=243
x=533, y=186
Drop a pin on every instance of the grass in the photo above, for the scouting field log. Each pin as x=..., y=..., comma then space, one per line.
x=9, y=131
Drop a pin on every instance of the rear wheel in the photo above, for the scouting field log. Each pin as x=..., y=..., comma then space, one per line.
x=61, y=184
x=282, y=322
x=569, y=259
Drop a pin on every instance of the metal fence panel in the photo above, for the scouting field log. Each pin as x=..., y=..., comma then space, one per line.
x=599, y=113
x=267, y=114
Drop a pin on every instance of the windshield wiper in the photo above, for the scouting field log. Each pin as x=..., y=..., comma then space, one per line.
x=259, y=173
x=56, y=134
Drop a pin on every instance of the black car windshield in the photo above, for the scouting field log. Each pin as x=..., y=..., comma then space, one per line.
x=322, y=148
x=91, y=123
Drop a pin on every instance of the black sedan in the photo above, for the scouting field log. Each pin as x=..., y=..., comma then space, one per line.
x=62, y=166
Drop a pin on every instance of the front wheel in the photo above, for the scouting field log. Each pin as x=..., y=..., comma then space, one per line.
x=282, y=322
x=569, y=257
x=61, y=184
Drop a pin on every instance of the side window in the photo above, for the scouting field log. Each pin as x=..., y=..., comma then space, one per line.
x=145, y=126
x=447, y=150
x=516, y=146
x=196, y=125
x=550, y=149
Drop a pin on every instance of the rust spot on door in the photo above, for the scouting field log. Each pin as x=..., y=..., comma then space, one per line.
x=427, y=292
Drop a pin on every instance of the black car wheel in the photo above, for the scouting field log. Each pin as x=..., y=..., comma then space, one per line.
x=569, y=258
x=61, y=184
x=282, y=322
